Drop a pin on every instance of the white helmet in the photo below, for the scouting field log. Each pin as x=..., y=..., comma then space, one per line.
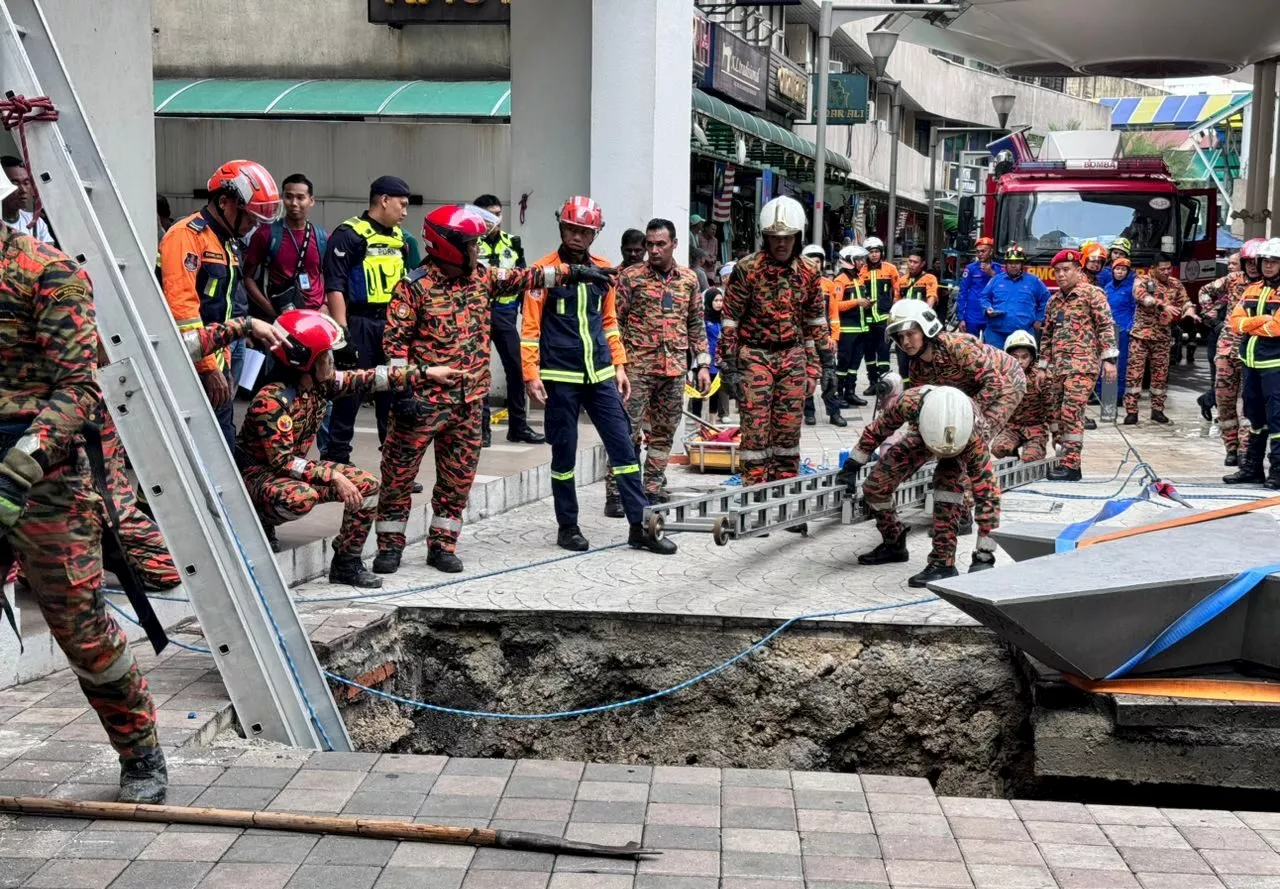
x=946, y=420
x=1020, y=339
x=814, y=250
x=909, y=313
x=889, y=388
x=1270, y=249
x=852, y=254
x=727, y=269
x=874, y=243
x=782, y=216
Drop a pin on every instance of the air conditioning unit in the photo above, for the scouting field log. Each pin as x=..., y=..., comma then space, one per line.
x=835, y=67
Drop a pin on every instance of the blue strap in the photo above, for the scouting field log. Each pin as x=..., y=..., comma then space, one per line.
x=1070, y=536
x=1198, y=615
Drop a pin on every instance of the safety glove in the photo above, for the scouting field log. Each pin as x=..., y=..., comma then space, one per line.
x=848, y=474
x=18, y=473
x=591, y=274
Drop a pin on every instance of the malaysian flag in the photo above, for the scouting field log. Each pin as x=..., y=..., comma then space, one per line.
x=720, y=209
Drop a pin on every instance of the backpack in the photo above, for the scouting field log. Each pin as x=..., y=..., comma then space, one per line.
x=277, y=235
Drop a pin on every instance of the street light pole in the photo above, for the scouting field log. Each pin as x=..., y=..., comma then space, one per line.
x=895, y=134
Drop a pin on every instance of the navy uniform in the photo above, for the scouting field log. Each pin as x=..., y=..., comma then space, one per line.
x=502, y=250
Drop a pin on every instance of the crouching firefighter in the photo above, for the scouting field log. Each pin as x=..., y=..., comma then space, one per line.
x=940, y=425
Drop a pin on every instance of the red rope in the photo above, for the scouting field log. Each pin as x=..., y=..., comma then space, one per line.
x=15, y=113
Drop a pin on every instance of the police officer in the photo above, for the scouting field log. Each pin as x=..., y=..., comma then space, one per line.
x=504, y=251
x=1012, y=300
x=365, y=260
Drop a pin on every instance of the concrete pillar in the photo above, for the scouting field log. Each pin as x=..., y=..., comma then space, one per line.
x=1262, y=139
x=600, y=105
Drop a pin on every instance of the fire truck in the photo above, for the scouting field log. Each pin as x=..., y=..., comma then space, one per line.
x=1081, y=189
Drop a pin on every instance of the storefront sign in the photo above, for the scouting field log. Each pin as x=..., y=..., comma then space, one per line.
x=788, y=86
x=439, y=12
x=738, y=70
x=701, y=47
x=846, y=98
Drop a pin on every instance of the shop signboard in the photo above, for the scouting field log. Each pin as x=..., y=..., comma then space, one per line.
x=788, y=86
x=738, y=71
x=701, y=47
x=846, y=98
x=439, y=12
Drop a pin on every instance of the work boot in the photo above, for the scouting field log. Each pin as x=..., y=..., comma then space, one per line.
x=443, y=560
x=1090, y=423
x=1131, y=419
x=1231, y=459
x=855, y=401
x=347, y=569
x=982, y=562
x=570, y=537
x=810, y=418
x=527, y=436
x=837, y=420
x=871, y=390
x=1064, y=474
x=1273, y=478
x=387, y=561
x=966, y=523
x=486, y=437
x=931, y=573
x=1250, y=471
x=270, y=531
x=1159, y=417
x=888, y=551
x=639, y=538
x=613, y=507
x=144, y=779
x=1207, y=401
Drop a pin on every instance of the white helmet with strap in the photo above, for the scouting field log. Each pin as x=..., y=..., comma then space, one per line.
x=782, y=216
x=814, y=250
x=1270, y=249
x=909, y=313
x=873, y=243
x=946, y=420
x=1021, y=339
x=852, y=254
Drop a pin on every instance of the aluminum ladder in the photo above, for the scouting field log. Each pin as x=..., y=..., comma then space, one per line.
x=150, y=386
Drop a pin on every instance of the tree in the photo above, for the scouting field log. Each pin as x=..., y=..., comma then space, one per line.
x=1179, y=162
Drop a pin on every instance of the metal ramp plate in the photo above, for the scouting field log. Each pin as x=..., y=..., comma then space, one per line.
x=1088, y=611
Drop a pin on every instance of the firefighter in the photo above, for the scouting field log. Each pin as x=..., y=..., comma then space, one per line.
x=660, y=311
x=941, y=425
x=879, y=281
x=853, y=327
x=1095, y=260
x=52, y=513
x=1161, y=301
x=774, y=346
x=1027, y=433
x=1218, y=299
x=439, y=316
x=815, y=255
x=575, y=360
x=500, y=249
x=1078, y=340
x=200, y=271
x=973, y=280
x=1256, y=321
x=920, y=284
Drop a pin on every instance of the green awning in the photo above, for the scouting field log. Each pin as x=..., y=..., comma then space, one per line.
x=778, y=147
x=333, y=98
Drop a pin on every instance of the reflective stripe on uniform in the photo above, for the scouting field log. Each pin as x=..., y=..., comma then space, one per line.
x=390, y=527
x=1071, y=438
x=787, y=452
x=821, y=319
x=728, y=324
x=880, y=505
x=629, y=469
x=550, y=275
x=381, y=378
x=1159, y=391
x=561, y=376
x=297, y=466
x=369, y=502
x=191, y=339
x=446, y=523
x=117, y=670
x=755, y=455
x=531, y=344
x=398, y=362
x=948, y=496
x=562, y=476
x=1228, y=424
x=860, y=456
x=660, y=453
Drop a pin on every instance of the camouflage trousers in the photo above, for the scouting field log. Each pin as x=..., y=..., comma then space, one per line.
x=899, y=463
x=456, y=431
x=58, y=542
x=772, y=409
x=1031, y=440
x=282, y=498
x=654, y=409
x=1226, y=389
x=144, y=546
x=1144, y=353
x=1068, y=401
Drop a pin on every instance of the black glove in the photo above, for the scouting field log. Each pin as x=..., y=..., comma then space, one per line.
x=848, y=474
x=18, y=473
x=731, y=378
x=829, y=382
x=591, y=274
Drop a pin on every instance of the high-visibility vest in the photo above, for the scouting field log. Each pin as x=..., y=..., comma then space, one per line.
x=383, y=264
x=503, y=255
x=1261, y=352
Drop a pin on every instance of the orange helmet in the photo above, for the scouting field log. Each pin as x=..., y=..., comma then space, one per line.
x=985, y=241
x=1092, y=250
x=581, y=211
x=252, y=187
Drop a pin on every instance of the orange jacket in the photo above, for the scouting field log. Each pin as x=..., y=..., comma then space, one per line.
x=925, y=287
x=199, y=270
x=834, y=293
x=577, y=339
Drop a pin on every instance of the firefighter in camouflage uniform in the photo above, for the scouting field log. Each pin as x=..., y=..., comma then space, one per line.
x=1162, y=301
x=1078, y=340
x=1218, y=299
x=1027, y=433
x=775, y=347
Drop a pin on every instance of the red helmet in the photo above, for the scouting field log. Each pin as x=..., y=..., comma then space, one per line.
x=252, y=187
x=1251, y=247
x=448, y=231
x=581, y=211
x=311, y=334
x=1066, y=256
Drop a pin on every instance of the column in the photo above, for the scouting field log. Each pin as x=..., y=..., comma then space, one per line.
x=1262, y=137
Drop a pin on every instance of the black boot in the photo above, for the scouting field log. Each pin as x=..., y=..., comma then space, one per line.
x=144, y=779
x=1090, y=423
x=613, y=507
x=639, y=538
x=887, y=552
x=271, y=537
x=1231, y=459
x=486, y=436
x=1131, y=419
x=1207, y=401
x=836, y=420
x=1250, y=471
x=855, y=401
x=387, y=561
x=527, y=436
x=1159, y=417
x=982, y=562
x=931, y=573
x=349, y=570
x=443, y=560
x=1273, y=478
x=570, y=537
x=1064, y=474
x=810, y=418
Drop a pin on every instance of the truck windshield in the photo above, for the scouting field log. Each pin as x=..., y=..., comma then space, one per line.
x=1044, y=222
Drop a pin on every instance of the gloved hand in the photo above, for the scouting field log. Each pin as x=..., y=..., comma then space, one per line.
x=591, y=274
x=731, y=378
x=848, y=474
x=828, y=382
x=18, y=473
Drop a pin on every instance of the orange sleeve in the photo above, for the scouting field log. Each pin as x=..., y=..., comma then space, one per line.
x=844, y=305
x=833, y=308
x=930, y=289
x=531, y=335
x=179, y=250
x=1255, y=325
x=612, y=333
